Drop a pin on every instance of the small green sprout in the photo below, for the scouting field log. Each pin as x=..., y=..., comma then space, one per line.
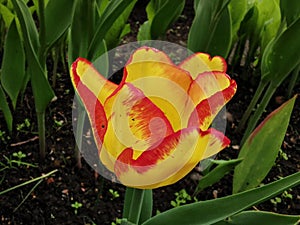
x=114, y=194
x=117, y=221
x=76, y=205
x=20, y=155
x=181, y=198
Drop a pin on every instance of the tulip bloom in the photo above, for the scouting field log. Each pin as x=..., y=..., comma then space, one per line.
x=153, y=128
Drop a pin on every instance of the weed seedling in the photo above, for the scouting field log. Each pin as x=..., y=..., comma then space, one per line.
x=19, y=155
x=117, y=221
x=114, y=194
x=181, y=198
x=76, y=205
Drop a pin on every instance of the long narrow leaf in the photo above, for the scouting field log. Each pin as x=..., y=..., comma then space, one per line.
x=212, y=211
x=5, y=109
x=278, y=60
x=261, y=149
x=61, y=11
x=268, y=218
x=165, y=16
x=13, y=64
x=42, y=90
x=111, y=12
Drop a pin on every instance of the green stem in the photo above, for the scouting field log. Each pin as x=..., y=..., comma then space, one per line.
x=79, y=132
x=41, y=132
x=136, y=205
x=252, y=105
x=259, y=111
x=293, y=81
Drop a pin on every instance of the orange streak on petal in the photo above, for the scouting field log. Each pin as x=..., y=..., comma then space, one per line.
x=207, y=109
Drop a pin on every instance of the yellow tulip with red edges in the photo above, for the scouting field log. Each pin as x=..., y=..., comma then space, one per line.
x=154, y=127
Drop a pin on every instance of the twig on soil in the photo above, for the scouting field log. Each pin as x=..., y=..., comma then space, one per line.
x=24, y=142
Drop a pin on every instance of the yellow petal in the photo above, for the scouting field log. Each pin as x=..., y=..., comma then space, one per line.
x=164, y=84
x=133, y=121
x=170, y=161
x=83, y=71
x=146, y=54
x=201, y=62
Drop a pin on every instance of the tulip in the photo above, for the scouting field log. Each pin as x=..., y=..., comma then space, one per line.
x=154, y=127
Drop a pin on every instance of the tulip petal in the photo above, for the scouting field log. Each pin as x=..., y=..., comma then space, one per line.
x=93, y=106
x=134, y=121
x=201, y=62
x=207, y=109
x=146, y=54
x=164, y=84
x=171, y=160
x=84, y=72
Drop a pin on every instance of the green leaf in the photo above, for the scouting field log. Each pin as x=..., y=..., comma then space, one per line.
x=82, y=29
x=238, y=10
x=261, y=148
x=212, y=211
x=13, y=64
x=268, y=218
x=41, y=88
x=114, y=34
x=147, y=206
x=6, y=15
x=217, y=173
x=112, y=11
x=5, y=109
x=30, y=31
x=268, y=21
x=290, y=9
x=211, y=29
x=55, y=11
x=144, y=32
x=282, y=55
x=165, y=16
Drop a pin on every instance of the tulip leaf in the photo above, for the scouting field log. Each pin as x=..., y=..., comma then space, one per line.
x=82, y=29
x=161, y=14
x=165, y=16
x=278, y=60
x=268, y=218
x=238, y=10
x=217, y=173
x=30, y=31
x=211, y=28
x=12, y=77
x=41, y=88
x=261, y=148
x=119, y=28
x=212, y=211
x=6, y=15
x=61, y=11
x=4, y=107
x=290, y=10
x=112, y=11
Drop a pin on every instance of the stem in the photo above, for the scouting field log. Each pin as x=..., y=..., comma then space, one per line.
x=136, y=205
x=293, y=80
x=256, y=116
x=41, y=132
x=79, y=131
x=252, y=105
x=55, y=63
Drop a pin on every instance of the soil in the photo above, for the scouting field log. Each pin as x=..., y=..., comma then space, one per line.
x=50, y=202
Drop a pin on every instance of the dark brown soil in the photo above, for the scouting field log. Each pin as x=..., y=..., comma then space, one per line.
x=51, y=201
